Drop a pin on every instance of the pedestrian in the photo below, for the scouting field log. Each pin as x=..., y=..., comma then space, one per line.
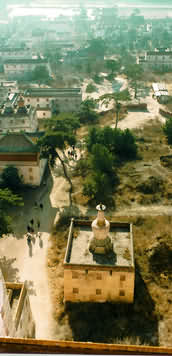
x=32, y=221
x=28, y=239
x=32, y=229
x=41, y=206
x=38, y=224
x=28, y=228
x=39, y=234
x=36, y=205
x=75, y=156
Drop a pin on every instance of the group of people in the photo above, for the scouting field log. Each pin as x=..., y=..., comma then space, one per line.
x=32, y=225
x=72, y=153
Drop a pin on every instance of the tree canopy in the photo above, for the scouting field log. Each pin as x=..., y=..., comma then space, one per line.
x=167, y=128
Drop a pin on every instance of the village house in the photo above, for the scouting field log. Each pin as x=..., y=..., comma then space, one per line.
x=67, y=99
x=160, y=58
x=20, y=150
x=17, y=53
x=16, y=117
x=22, y=65
x=99, y=261
x=16, y=318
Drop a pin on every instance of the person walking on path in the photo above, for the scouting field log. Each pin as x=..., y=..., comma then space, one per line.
x=32, y=222
x=38, y=223
x=28, y=228
x=28, y=239
x=41, y=206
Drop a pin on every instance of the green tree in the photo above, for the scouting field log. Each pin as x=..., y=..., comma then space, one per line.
x=101, y=159
x=41, y=74
x=7, y=198
x=98, y=187
x=167, y=128
x=11, y=178
x=134, y=73
x=90, y=88
x=123, y=95
x=112, y=65
x=87, y=113
x=59, y=135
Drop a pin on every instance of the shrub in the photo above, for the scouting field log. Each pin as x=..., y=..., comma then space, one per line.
x=151, y=185
x=90, y=88
x=67, y=214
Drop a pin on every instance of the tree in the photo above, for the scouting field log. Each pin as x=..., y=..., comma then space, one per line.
x=11, y=178
x=134, y=73
x=41, y=74
x=7, y=198
x=119, y=143
x=167, y=128
x=87, y=112
x=98, y=186
x=123, y=95
x=59, y=135
x=90, y=88
x=101, y=159
x=112, y=65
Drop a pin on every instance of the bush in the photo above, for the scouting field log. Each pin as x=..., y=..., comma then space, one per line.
x=11, y=178
x=151, y=186
x=67, y=214
x=90, y=88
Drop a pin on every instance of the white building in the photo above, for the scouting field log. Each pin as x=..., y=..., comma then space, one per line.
x=22, y=65
x=67, y=99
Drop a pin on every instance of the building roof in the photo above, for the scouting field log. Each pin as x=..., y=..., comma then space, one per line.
x=15, y=49
x=49, y=92
x=25, y=61
x=77, y=252
x=161, y=53
x=17, y=143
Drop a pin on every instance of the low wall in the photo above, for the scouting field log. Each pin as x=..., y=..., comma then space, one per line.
x=136, y=106
x=166, y=114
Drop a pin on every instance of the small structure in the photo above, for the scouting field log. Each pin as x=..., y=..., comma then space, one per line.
x=16, y=318
x=99, y=261
x=160, y=92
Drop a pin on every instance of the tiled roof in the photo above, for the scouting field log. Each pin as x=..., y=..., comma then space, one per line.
x=16, y=142
x=25, y=61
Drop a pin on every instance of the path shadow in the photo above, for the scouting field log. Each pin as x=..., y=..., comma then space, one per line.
x=30, y=289
x=40, y=242
x=9, y=272
x=111, y=322
x=21, y=216
x=30, y=250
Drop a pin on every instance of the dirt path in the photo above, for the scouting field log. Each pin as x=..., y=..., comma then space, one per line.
x=153, y=210
x=137, y=119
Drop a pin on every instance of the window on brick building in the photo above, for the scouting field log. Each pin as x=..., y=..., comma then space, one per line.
x=75, y=290
x=75, y=275
x=30, y=169
x=121, y=293
x=98, y=276
x=43, y=113
x=122, y=277
x=110, y=272
x=98, y=291
x=30, y=177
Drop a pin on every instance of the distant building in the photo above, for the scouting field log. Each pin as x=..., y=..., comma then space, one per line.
x=99, y=261
x=12, y=52
x=20, y=150
x=22, y=65
x=16, y=318
x=16, y=117
x=67, y=99
x=160, y=92
x=160, y=58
